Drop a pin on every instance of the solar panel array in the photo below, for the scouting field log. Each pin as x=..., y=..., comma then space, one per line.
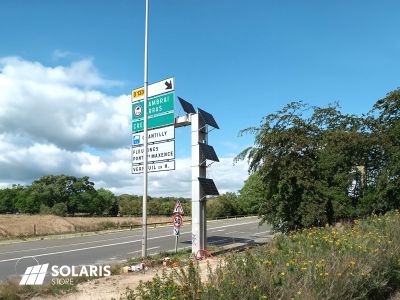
x=208, y=152
x=208, y=118
x=208, y=186
x=187, y=107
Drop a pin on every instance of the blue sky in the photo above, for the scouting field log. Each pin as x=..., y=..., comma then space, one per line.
x=239, y=60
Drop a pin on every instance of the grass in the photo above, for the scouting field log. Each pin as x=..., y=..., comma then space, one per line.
x=350, y=261
x=21, y=226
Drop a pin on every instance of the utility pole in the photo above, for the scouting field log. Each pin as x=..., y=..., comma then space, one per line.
x=145, y=158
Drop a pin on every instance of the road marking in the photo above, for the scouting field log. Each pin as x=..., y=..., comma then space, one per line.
x=115, y=244
x=141, y=250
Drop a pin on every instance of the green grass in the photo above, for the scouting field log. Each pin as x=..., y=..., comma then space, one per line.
x=350, y=261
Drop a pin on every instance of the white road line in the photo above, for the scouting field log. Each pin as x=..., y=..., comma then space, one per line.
x=141, y=250
x=60, y=246
x=114, y=244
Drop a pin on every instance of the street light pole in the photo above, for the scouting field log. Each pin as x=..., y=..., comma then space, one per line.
x=145, y=158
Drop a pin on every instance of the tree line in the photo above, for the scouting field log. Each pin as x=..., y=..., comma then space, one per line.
x=69, y=195
x=317, y=165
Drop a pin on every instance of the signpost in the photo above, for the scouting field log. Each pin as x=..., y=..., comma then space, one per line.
x=153, y=132
x=177, y=222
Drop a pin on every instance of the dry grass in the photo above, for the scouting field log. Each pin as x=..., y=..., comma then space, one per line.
x=12, y=226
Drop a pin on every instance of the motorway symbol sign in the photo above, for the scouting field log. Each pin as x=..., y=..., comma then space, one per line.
x=154, y=167
x=155, y=106
x=154, y=135
x=161, y=87
x=178, y=208
x=155, y=122
x=156, y=152
x=177, y=231
x=177, y=220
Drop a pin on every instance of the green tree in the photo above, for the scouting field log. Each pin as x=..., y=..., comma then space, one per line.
x=252, y=194
x=307, y=158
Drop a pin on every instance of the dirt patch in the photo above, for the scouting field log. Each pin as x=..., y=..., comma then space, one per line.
x=14, y=226
x=114, y=287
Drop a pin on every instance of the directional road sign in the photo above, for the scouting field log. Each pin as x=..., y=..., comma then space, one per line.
x=156, y=106
x=156, y=152
x=155, y=167
x=154, y=135
x=155, y=122
x=161, y=87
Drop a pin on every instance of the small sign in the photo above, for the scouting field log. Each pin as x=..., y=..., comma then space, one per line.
x=154, y=135
x=161, y=87
x=155, y=152
x=178, y=208
x=154, y=122
x=177, y=231
x=155, y=167
x=177, y=220
x=137, y=110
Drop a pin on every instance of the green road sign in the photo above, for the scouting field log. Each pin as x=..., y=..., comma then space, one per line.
x=154, y=122
x=156, y=105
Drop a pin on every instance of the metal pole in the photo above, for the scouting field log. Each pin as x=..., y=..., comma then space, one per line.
x=176, y=244
x=145, y=158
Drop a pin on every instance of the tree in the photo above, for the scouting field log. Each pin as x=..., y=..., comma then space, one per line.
x=307, y=158
x=252, y=194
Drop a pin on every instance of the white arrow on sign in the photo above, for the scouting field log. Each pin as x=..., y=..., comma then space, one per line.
x=161, y=87
x=154, y=135
x=176, y=231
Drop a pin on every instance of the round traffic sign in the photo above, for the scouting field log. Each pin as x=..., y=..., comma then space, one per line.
x=137, y=110
x=177, y=220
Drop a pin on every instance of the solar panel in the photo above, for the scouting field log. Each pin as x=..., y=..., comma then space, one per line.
x=187, y=107
x=208, y=186
x=208, y=118
x=208, y=152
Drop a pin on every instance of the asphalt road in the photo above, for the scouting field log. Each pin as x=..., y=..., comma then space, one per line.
x=109, y=248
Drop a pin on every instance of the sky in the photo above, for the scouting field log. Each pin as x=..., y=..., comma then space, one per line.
x=67, y=69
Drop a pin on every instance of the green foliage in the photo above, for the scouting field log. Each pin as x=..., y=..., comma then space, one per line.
x=223, y=206
x=358, y=261
x=312, y=166
x=252, y=194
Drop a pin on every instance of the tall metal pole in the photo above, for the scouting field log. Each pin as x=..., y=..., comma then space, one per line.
x=145, y=158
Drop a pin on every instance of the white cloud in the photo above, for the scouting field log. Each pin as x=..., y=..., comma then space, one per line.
x=54, y=121
x=55, y=105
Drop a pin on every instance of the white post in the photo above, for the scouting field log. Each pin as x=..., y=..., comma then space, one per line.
x=145, y=158
x=199, y=235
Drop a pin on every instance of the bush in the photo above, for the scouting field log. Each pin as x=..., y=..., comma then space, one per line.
x=59, y=209
x=359, y=261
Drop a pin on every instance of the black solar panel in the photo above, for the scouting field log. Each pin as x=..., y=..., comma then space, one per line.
x=208, y=118
x=208, y=186
x=187, y=107
x=208, y=152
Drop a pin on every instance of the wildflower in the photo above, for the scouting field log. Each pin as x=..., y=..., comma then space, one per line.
x=304, y=269
x=298, y=292
x=282, y=273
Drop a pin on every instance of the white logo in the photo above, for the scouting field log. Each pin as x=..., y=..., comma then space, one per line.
x=34, y=275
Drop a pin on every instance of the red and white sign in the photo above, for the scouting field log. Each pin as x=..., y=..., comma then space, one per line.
x=178, y=208
x=177, y=220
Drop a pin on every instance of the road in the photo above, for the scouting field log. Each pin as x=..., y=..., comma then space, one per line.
x=109, y=248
